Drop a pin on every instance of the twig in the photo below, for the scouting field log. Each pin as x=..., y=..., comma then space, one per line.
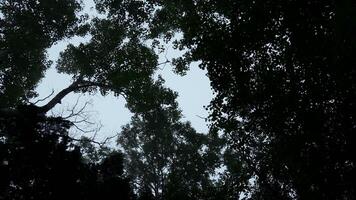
x=90, y=140
x=93, y=140
x=43, y=99
x=201, y=117
x=109, y=138
x=82, y=130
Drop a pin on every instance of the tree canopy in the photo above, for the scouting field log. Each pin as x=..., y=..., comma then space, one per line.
x=283, y=73
x=27, y=29
x=282, y=120
x=167, y=156
x=39, y=159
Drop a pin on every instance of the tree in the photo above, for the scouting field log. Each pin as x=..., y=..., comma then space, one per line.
x=27, y=29
x=39, y=160
x=167, y=158
x=284, y=80
x=116, y=59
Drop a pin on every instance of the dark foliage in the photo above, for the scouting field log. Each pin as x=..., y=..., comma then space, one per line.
x=39, y=161
x=27, y=29
x=284, y=77
x=284, y=80
x=166, y=159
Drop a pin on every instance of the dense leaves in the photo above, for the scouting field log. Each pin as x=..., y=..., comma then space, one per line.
x=111, y=60
x=27, y=28
x=282, y=118
x=283, y=73
x=165, y=157
x=40, y=161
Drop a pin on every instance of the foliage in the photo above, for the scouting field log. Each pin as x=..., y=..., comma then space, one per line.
x=115, y=59
x=284, y=80
x=282, y=73
x=27, y=29
x=92, y=153
x=39, y=161
x=167, y=158
x=38, y=158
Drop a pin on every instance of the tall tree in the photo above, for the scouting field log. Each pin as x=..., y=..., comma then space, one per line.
x=167, y=157
x=27, y=29
x=116, y=59
x=38, y=159
x=283, y=73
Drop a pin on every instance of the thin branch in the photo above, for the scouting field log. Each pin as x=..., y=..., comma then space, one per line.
x=201, y=117
x=96, y=132
x=109, y=138
x=90, y=140
x=82, y=130
x=72, y=110
x=80, y=112
x=163, y=63
x=83, y=120
x=45, y=98
x=93, y=140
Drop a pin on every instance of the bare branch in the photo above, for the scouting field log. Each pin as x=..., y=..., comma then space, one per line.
x=163, y=63
x=82, y=130
x=109, y=138
x=80, y=112
x=201, y=117
x=90, y=140
x=72, y=110
x=78, y=124
x=95, y=134
x=45, y=98
x=82, y=121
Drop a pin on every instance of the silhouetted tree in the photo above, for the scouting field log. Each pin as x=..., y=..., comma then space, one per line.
x=40, y=161
x=116, y=59
x=167, y=158
x=283, y=73
x=27, y=29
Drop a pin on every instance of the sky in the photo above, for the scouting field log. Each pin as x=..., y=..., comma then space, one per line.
x=109, y=111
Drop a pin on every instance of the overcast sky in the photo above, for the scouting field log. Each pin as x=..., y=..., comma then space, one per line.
x=193, y=88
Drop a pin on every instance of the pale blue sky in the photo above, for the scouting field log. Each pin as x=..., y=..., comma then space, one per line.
x=193, y=88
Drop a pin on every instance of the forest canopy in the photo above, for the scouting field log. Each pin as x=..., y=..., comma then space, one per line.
x=281, y=123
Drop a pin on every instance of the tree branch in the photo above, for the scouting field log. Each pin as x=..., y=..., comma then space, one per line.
x=90, y=140
x=58, y=98
x=43, y=99
x=76, y=85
